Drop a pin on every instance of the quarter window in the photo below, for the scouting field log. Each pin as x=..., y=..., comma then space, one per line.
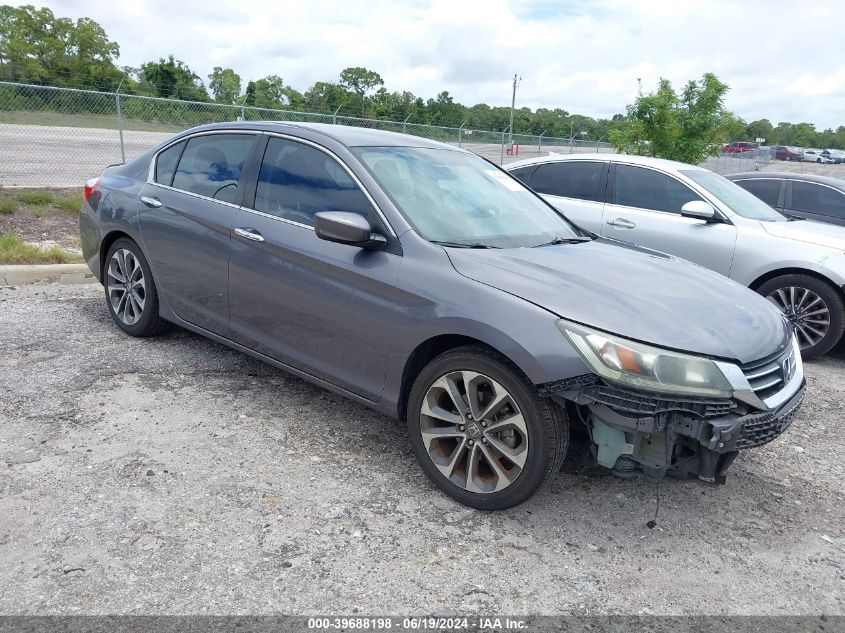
x=812, y=198
x=649, y=189
x=767, y=189
x=523, y=173
x=296, y=181
x=581, y=180
x=166, y=164
x=211, y=165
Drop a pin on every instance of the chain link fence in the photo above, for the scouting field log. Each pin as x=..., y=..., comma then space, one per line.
x=60, y=137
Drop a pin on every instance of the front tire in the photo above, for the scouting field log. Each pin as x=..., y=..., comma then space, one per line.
x=481, y=432
x=814, y=308
x=131, y=293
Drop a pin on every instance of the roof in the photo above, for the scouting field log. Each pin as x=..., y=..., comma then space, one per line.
x=839, y=183
x=344, y=134
x=670, y=165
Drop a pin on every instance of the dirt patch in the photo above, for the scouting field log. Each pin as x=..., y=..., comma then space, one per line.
x=42, y=222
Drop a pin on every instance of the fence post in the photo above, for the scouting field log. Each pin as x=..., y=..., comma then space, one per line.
x=461, y=132
x=540, y=142
x=570, y=143
x=334, y=116
x=243, y=113
x=405, y=124
x=502, y=154
x=120, y=122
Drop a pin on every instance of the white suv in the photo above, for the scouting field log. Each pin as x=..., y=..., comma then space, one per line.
x=700, y=216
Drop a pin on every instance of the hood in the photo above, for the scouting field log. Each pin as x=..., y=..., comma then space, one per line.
x=818, y=233
x=639, y=294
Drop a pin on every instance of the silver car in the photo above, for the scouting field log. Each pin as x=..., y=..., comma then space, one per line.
x=703, y=217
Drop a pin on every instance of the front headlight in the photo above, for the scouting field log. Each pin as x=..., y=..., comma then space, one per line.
x=645, y=367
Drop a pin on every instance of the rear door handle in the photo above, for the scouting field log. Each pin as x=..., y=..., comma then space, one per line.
x=249, y=234
x=622, y=223
x=155, y=203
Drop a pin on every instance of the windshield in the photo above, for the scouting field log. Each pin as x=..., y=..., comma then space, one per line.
x=459, y=198
x=738, y=199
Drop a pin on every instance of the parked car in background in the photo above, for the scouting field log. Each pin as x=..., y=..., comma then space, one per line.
x=696, y=214
x=800, y=195
x=785, y=152
x=817, y=156
x=833, y=155
x=740, y=147
x=418, y=279
x=837, y=154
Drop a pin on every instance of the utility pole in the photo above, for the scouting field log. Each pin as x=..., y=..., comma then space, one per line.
x=639, y=86
x=516, y=82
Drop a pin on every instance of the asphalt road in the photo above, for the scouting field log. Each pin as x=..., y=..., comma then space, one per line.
x=49, y=156
x=175, y=476
x=52, y=156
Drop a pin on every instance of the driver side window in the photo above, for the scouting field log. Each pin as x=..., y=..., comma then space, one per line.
x=297, y=181
x=211, y=165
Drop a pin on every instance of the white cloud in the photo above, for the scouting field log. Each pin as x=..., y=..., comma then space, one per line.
x=784, y=60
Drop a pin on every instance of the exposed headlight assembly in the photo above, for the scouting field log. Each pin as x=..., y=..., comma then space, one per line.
x=642, y=366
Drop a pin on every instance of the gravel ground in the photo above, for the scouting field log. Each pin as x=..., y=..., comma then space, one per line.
x=174, y=476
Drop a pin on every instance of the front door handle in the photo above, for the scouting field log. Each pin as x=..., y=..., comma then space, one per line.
x=155, y=203
x=249, y=234
x=622, y=223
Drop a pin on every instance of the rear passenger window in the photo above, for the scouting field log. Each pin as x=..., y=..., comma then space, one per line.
x=812, y=198
x=767, y=189
x=648, y=189
x=211, y=165
x=166, y=164
x=578, y=179
x=296, y=181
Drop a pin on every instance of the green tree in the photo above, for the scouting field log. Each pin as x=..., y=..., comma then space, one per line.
x=38, y=47
x=173, y=79
x=225, y=84
x=326, y=97
x=360, y=80
x=269, y=92
x=761, y=128
x=686, y=127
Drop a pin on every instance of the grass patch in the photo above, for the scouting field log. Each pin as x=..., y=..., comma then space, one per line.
x=35, y=196
x=103, y=122
x=37, y=209
x=13, y=250
x=7, y=206
x=70, y=203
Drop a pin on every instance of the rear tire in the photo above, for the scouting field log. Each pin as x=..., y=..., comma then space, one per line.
x=500, y=444
x=814, y=307
x=131, y=294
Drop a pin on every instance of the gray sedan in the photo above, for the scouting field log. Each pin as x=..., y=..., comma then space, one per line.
x=427, y=283
x=701, y=216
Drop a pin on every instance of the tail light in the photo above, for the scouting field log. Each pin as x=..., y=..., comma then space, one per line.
x=92, y=192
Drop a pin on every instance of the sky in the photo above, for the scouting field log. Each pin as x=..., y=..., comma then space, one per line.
x=784, y=60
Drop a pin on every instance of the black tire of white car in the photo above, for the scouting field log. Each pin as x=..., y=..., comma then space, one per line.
x=545, y=422
x=828, y=294
x=149, y=323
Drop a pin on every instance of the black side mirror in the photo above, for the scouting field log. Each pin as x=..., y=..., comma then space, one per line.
x=347, y=228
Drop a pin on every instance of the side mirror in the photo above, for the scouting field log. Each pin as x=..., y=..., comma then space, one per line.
x=699, y=210
x=347, y=228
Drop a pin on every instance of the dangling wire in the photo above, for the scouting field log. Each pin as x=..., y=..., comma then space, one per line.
x=653, y=523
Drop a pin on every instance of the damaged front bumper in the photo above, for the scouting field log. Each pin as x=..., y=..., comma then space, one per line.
x=632, y=431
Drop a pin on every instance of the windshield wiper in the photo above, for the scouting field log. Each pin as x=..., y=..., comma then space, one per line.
x=793, y=218
x=566, y=240
x=463, y=244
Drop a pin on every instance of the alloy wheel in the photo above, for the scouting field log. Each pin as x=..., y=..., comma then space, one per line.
x=806, y=311
x=126, y=286
x=474, y=432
